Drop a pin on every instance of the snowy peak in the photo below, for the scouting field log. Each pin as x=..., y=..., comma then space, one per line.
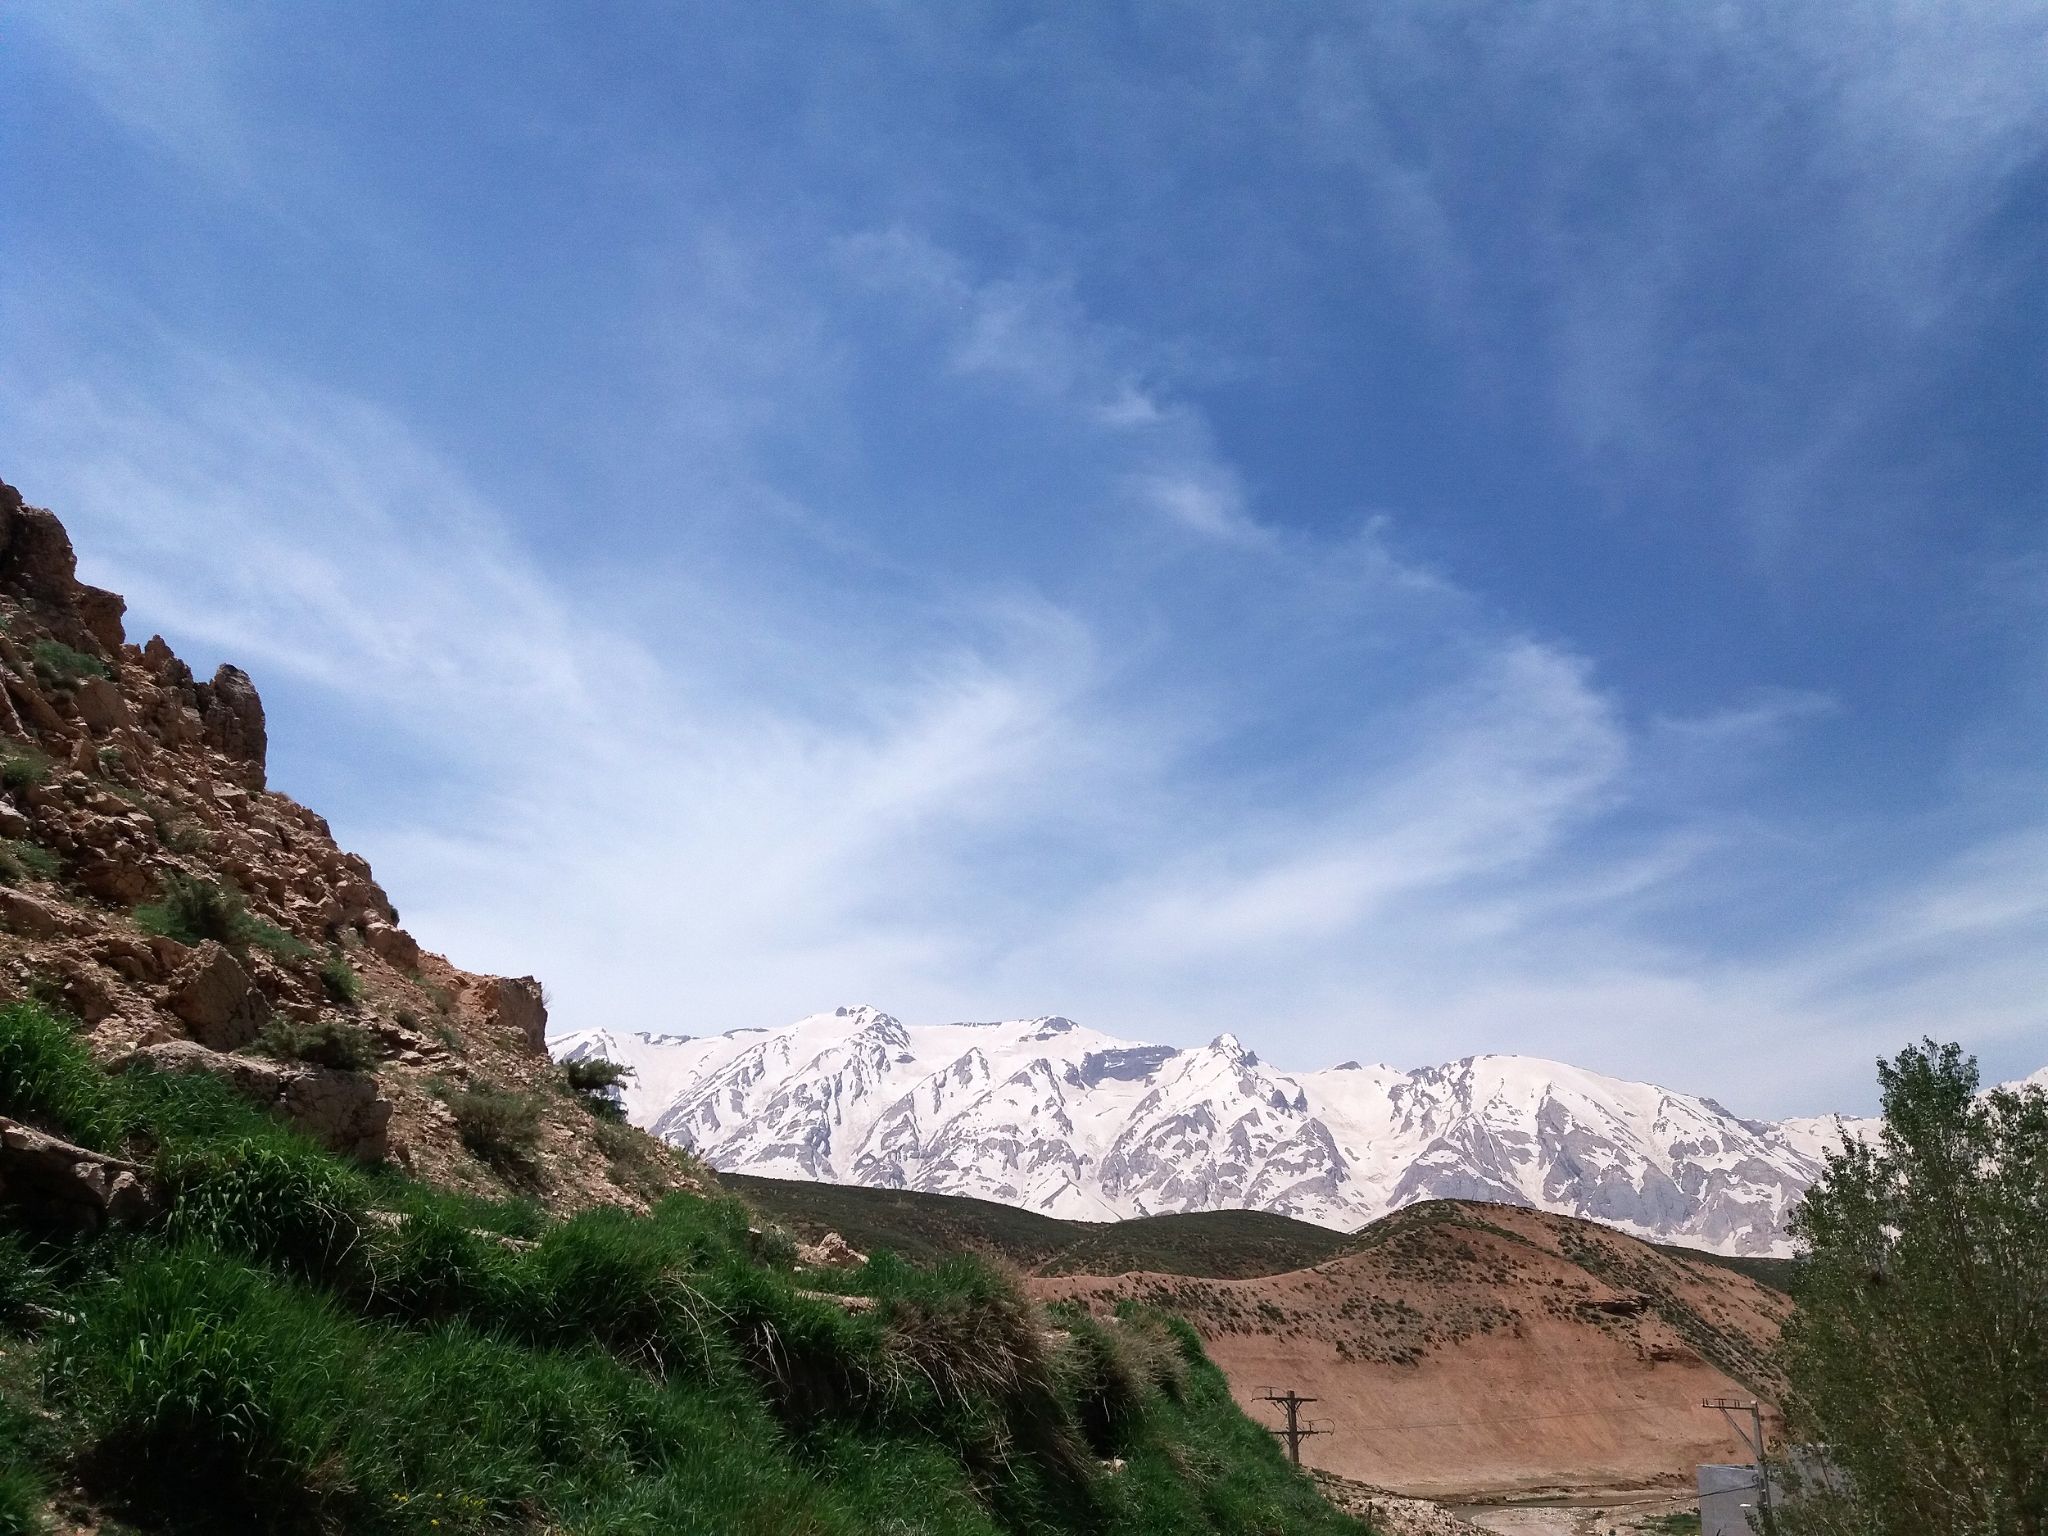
x=1055, y=1116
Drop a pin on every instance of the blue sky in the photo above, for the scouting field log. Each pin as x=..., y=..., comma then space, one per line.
x=1396, y=530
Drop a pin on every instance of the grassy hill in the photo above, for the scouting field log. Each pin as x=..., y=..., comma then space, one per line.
x=927, y=1227
x=1216, y=1245
x=288, y=1342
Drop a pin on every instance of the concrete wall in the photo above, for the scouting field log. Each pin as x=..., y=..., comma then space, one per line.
x=1727, y=1494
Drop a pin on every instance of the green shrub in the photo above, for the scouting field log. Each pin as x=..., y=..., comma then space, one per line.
x=597, y=1083
x=503, y=1129
x=21, y=861
x=193, y=910
x=323, y=1042
x=48, y=1078
x=339, y=978
x=60, y=665
x=631, y=1285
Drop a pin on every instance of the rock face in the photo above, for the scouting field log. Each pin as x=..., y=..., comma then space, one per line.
x=122, y=777
x=1056, y=1117
x=53, y=1183
x=518, y=1007
x=213, y=995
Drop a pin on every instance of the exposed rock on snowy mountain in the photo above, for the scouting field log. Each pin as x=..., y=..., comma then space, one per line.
x=1059, y=1118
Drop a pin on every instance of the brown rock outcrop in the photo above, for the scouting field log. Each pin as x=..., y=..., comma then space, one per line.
x=231, y=720
x=519, y=1008
x=54, y=1183
x=340, y=1110
x=148, y=785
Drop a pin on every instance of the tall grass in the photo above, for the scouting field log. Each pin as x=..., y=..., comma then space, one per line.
x=49, y=1079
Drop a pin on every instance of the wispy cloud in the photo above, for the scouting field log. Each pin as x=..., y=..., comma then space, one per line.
x=913, y=633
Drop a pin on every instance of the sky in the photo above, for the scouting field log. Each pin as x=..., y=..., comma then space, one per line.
x=1397, y=530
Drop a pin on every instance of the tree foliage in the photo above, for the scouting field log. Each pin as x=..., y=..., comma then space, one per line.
x=1918, y=1358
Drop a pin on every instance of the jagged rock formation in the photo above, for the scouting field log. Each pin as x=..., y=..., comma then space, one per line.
x=1055, y=1117
x=122, y=774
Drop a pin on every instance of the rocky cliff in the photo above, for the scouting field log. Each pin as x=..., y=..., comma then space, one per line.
x=156, y=889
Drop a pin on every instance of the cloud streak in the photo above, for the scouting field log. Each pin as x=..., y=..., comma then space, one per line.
x=916, y=626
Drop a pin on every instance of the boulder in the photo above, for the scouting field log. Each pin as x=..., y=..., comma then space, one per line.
x=118, y=872
x=83, y=989
x=132, y=958
x=517, y=1006
x=36, y=918
x=392, y=944
x=99, y=704
x=213, y=995
x=343, y=1111
x=54, y=1183
x=830, y=1252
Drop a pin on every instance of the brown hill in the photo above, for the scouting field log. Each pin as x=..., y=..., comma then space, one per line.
x=1471, y=1349
x=154, y=887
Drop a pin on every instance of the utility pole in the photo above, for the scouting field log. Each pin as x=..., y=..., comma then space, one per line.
x=1296, y=1431
x=1753, y=1437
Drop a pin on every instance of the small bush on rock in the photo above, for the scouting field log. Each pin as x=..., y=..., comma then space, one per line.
x=323, y=1043
x=340, y=979
x=194, y=910
x=24, y=764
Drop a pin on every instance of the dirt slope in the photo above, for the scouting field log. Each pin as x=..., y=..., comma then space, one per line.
x=1481, y=1349
x=119, y=772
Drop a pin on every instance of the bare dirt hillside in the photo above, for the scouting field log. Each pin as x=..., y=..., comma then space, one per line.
x=134, y=804
x=1472, y=1349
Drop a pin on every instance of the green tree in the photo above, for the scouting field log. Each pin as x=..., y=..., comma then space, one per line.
x=1918, y=1357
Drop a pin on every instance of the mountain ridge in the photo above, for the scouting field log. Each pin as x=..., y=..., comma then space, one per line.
x=1055, y=1116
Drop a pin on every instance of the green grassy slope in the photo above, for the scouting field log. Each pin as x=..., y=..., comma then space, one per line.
x=296, y=1345
x=1213, y=1244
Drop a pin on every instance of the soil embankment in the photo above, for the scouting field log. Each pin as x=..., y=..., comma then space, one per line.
x=1468, y=1350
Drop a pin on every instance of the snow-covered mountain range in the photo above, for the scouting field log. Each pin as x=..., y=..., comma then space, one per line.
x=1051, y=1115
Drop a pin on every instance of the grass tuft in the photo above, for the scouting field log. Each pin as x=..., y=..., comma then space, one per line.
x=49, y=1079
x=21, y=861
x=269, y=937
x=23, y=764
x=63, y=666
